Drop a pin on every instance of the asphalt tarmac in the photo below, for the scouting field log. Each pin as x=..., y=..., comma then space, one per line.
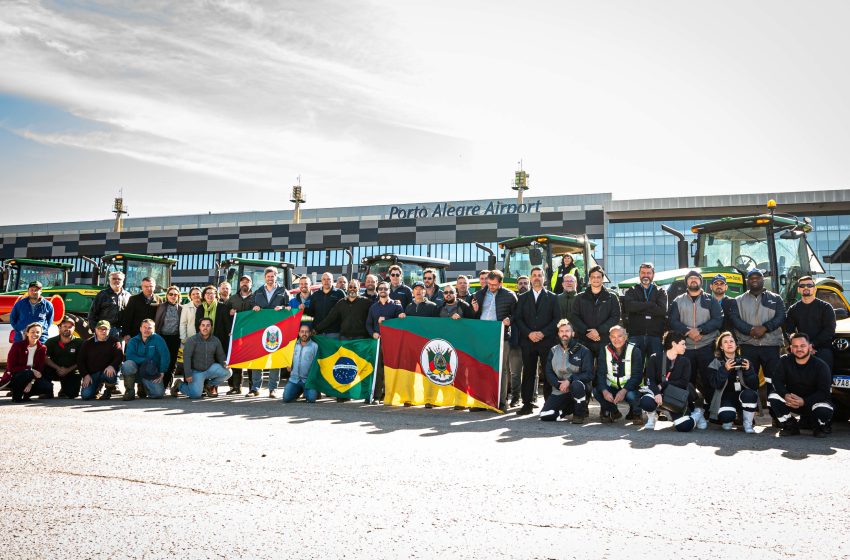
x=235, y=477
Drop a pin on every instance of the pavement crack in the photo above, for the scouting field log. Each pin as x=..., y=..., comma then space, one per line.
x=164, y=485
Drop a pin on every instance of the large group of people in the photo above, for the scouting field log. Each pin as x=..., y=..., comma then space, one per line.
x=701, y=358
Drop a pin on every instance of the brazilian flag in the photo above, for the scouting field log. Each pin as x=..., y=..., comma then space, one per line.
x=344, y=368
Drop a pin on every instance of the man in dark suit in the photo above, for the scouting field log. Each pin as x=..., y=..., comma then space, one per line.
x=537, y=315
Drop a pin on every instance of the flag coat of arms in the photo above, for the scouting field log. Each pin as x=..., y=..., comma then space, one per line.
x=441, y=361
x=344, y=368
x=263, y=339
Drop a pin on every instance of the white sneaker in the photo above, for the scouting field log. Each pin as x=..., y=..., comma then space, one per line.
x=650, y=421
x=728, y=426
x=699, y=419
x=748, y=422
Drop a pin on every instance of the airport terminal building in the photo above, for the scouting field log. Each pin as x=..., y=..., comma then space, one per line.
x=626, y=232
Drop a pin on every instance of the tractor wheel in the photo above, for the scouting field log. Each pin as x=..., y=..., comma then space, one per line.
x=81, y=326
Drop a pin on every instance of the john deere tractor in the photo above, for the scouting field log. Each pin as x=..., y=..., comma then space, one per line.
x=776, y=244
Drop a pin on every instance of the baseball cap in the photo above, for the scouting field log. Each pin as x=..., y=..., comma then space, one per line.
x=36, y=283
x=418, y=284
x=103, y=323
x=718, y=278
x=244, y=276
x=754, y=271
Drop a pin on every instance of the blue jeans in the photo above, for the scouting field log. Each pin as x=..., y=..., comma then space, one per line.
x=97, y=379
x=216, y=375
x=293, y=390
x=257, y=379
x=154, y=389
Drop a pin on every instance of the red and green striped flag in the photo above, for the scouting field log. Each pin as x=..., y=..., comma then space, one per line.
x=441, y=361
x=263, y=339
x=344, y=368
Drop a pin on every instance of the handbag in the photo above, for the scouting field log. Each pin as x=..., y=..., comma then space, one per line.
x=674, y=399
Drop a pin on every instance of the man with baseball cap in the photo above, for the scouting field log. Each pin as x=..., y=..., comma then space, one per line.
x=758, y=317
x=814, y=317
x=61, y=360
x=718, y=290
x=31, y=309
x=421, y=306
x=99, y=361
x=698, y=317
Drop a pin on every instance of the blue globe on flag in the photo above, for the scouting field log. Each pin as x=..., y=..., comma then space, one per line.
x=345, y=370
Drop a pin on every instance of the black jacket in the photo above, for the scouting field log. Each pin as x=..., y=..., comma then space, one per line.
x=816, y=319
x=137, y=310
x=679, y=373
x=595, y=311
x=506, y=302
x=350, y=316
x=108, y=306
x=541, y=315
x=222, y=324
x=464, y=309
x=425, y=309
x=811, y=381
x=323, y=303
x=645, y=311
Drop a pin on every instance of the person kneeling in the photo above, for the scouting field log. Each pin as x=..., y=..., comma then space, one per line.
x=98, y=361
x=618, y=378
x=147, y=357
x=735, y=384
x=671, y=368
x=25, y=364
x=802, y=386
x=303, y=358
x=203, y=362
x=569, y=369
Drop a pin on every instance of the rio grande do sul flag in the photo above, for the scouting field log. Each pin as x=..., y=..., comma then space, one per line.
x=441, y=361
x=263, y=339
x=344, y=368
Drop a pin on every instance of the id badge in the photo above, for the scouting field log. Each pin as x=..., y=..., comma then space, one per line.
x=648, y=318
x=738, y=386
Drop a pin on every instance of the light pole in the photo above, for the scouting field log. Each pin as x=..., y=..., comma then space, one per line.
x=520, y=183
x=298, y=199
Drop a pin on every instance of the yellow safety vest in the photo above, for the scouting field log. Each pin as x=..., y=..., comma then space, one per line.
x=613, y=379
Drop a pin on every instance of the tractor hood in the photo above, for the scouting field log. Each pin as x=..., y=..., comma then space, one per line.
x=666, y=277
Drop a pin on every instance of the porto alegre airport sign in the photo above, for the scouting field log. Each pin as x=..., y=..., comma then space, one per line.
x=441, y=209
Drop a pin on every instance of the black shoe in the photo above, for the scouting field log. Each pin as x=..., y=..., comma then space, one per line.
x=822, y=431
x=514, y=402
x=616, y=415
x=429, y=405
x=631, y=415
x=525, y=410
x=605, y=417
x=579, y=419
x=790, y=428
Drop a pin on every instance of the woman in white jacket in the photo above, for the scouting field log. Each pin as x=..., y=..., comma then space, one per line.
x=187, y=316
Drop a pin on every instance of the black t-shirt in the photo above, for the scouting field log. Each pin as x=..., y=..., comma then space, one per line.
x=63, y=355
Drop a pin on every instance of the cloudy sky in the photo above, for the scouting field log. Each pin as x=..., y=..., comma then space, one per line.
x=218, y=105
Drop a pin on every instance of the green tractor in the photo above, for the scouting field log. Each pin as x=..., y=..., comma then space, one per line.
x=78, y=297
x=412, y=267
x=521, y=254
x=231, y=270
x=776, y=244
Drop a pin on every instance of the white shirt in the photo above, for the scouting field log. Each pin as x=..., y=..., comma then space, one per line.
x=31, y=355
x=536, y=294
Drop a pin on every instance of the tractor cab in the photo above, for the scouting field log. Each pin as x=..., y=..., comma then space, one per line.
x=232, y=270
x=18, y=273
x=775, y=244
x=135, y=268
x=412, y=267
x=521, y=254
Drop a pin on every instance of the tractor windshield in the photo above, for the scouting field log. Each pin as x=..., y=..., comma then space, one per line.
x=257, y=274
x=135, y=271
x=20, y=277
x=410, y=272
x=747, y=248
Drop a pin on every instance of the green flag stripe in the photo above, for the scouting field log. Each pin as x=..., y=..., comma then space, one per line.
x=472, y=336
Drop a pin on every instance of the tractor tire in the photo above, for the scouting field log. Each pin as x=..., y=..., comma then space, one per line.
x=81, y=327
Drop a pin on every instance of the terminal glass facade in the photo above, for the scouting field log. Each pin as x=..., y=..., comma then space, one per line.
x=631, y=243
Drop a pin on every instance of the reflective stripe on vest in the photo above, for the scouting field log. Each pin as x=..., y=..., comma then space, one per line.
x=613, y=380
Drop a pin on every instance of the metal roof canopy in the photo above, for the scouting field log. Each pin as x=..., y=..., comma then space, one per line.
x=841, y=254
